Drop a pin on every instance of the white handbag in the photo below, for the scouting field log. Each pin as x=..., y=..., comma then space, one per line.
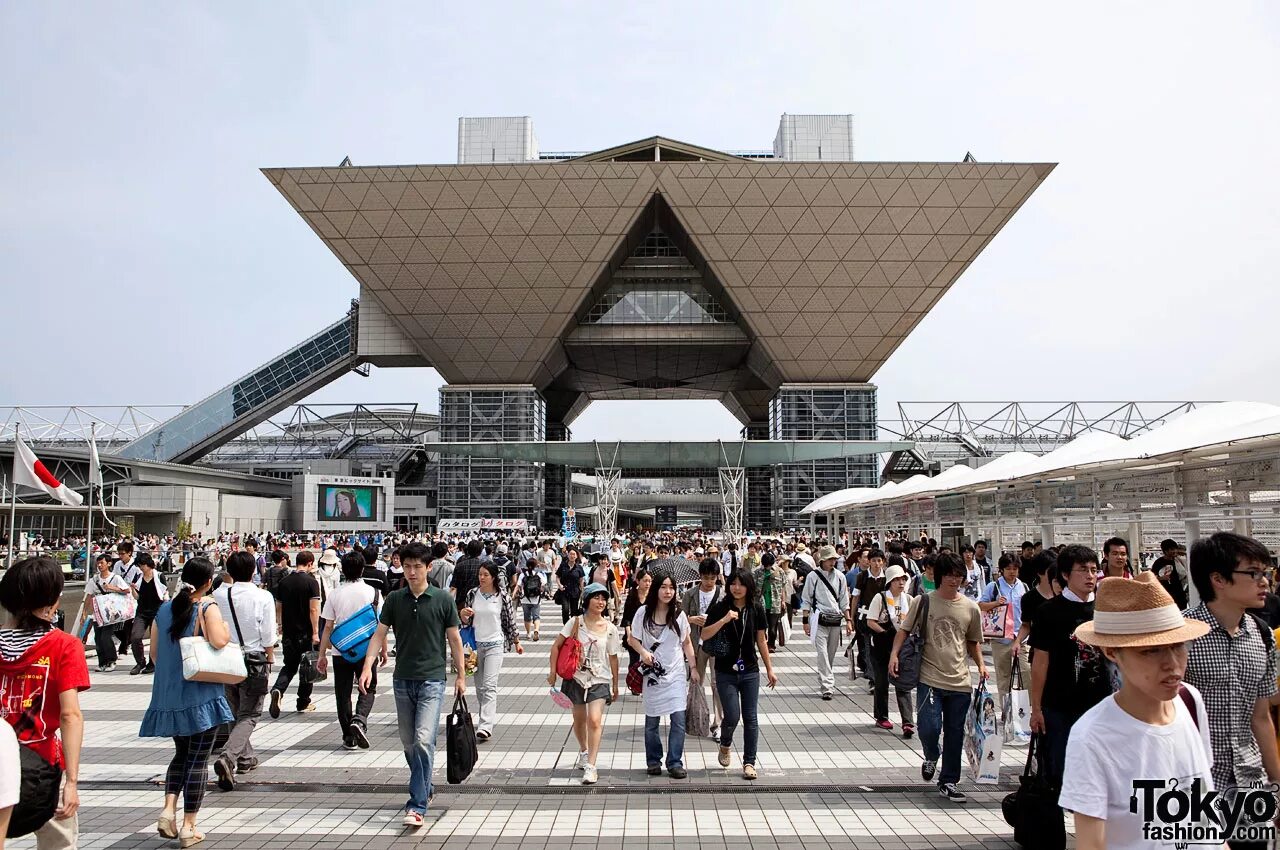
x=202, y=663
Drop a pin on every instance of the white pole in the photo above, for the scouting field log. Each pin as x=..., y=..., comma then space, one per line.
x=88, y=529
x=13, y=503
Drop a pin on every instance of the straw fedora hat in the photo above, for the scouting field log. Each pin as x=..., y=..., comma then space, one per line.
x=1137, y=612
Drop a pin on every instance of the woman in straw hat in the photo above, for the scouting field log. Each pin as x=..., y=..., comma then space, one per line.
x=1154, y=728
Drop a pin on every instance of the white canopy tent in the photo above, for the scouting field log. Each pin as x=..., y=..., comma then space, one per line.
x=1214, y=468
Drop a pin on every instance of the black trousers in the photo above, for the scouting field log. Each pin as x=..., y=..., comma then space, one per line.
x=293, y=649
x=141, y=627
x=345, y=676
x=775, y=635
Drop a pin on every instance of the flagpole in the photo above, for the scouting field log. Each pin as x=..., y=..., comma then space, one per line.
x=13, y=503
x=88, y=531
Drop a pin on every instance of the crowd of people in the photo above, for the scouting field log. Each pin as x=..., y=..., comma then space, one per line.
x=1114, y=660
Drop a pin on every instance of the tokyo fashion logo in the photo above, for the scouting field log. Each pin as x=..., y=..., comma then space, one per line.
x=1190, y=816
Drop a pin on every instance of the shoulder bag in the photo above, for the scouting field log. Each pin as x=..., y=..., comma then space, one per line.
x=828, y=620
x=911, y=652
x=257, y=668
x=570, y=657
x=351, y=637
x=202, y=663
x=1033, y=810
x=719, y=646
x=39, y=788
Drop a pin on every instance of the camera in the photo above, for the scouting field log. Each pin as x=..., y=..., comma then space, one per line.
x=652, y=672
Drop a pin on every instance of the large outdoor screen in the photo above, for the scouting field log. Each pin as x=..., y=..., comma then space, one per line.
x=347, y=503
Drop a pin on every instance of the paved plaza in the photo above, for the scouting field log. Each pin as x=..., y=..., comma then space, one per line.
x=828, y=778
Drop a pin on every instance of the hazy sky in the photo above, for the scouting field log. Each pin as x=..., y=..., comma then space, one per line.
x=146, y=260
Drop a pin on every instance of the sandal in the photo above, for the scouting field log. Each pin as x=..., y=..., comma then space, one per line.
x=167, y=827
x=190, y=839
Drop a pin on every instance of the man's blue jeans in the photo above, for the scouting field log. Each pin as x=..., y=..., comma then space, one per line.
x=418, y=705
x=675, y=741
x=941, y=713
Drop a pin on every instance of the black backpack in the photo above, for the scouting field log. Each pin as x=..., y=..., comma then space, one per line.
x=531, y=587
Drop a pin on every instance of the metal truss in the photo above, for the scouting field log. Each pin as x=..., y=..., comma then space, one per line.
x=608, y=478
x=64, y=425
x=951, y=432
x=379, y=432
x=733, y=496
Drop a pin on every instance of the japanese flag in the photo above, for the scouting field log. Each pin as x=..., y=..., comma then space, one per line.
x=30, y=472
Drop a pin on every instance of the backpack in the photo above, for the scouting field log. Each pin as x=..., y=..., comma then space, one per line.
x=531, y=586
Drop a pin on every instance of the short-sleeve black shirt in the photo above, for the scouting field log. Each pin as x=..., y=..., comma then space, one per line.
x=295, y=593
x=742, y=634
x=1077, y=679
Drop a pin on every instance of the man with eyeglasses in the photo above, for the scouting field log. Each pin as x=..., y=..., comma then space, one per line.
x=1234, y=664
x=1068, y=677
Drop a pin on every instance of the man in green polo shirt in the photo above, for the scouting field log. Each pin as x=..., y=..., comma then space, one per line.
x=424, y=618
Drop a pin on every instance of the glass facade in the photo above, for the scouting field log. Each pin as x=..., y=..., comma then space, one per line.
x=820, y=413
x=483, y=487
x=172, y=440
x=653, y=302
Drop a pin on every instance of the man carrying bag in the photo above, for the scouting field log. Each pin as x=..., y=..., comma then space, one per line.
x=251, y=613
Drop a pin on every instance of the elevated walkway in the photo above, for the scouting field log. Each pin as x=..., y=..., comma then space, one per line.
x=237, y=407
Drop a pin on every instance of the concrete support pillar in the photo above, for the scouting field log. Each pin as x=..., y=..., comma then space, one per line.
x=1134, y=536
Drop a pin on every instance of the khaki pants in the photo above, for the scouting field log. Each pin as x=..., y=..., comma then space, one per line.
x=703, y=658
x=1002, y=660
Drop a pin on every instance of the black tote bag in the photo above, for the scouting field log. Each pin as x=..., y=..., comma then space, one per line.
x=463, y=750
x=1033, y=809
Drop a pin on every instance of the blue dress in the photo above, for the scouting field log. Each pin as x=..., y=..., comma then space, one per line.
x=179, y=707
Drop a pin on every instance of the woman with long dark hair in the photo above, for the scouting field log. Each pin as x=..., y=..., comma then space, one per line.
x=488, y=609
x=188, y=712
x=659, y=633
x=635, y=600
x=738, y=671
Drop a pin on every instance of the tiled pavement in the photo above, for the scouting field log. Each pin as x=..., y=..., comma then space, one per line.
x=828, y=778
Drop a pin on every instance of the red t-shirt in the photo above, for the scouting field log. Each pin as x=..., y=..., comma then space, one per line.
x=30, y=690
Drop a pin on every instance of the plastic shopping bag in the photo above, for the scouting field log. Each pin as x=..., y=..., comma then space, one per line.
x=982, y=737
x=1017, y=709
x=697, y=717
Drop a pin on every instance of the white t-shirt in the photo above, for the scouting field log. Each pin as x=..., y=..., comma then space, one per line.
x=346, y=600
x=487, y=617
x=1109, y=748
x=704, y=599
x=10, y=767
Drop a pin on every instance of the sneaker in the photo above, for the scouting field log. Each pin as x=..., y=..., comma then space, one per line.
x=137, y=668
x=951, y=792
x=149, y=669
x=827, y=697
x=226, y=772
x=413, y=819
x=748, y=771
x=714, y=732
x=871, y=687
x=590, y=775
x=723, y=758
x=246, y=766
x=358, y=736
x=678, y=772
x=274, y=710
x=655, y=770
x=908, y=730
x=581, y=763
x=348, y=744
x=884, y=724
x=927, y=768
x=303, y=709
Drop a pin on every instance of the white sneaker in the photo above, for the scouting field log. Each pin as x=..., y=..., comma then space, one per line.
x=590, y=775
x=581, y=763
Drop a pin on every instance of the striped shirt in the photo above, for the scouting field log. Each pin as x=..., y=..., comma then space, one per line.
x=15, y=642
